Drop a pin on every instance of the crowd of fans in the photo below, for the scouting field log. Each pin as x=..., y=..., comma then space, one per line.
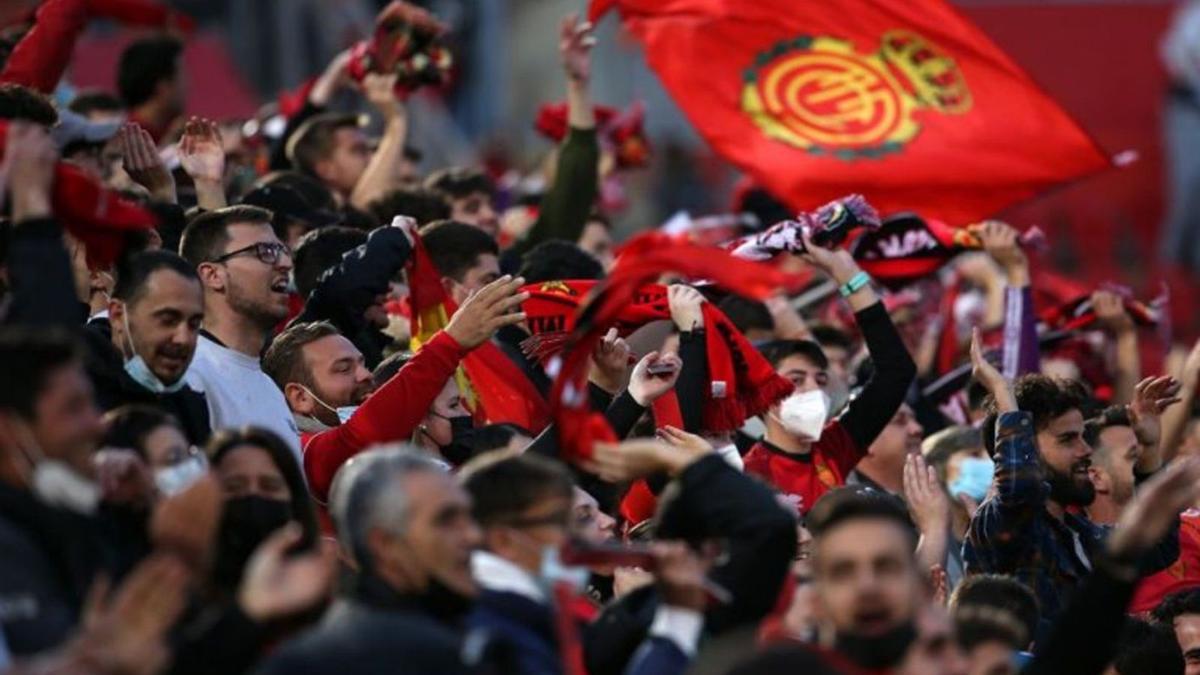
x=234, y=439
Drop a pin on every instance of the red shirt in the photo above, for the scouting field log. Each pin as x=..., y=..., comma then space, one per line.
x=806, y=476
x=1182, y=575
x=389, y=415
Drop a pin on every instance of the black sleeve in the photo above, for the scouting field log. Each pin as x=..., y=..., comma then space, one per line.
x=346, y=290
x=693, y=379
x=894, y=368
x=41, y=282
x=622, y=415
x=723, y=503
x=1084, y=638
x=279, y=160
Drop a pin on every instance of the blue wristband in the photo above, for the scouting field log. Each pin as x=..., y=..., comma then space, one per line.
x=856, y=283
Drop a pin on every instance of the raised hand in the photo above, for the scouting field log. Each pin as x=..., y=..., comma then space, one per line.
x=1002, y=243
x=575, y=42
x=654, y=376
x=277, y=585
x=123, y=476
x=684, y=302
x=928, y=503
x=610, y=362
x=186, y=524
x=1151, y=397
x=125, y=631
x=201, y=151
x=687, y=447
x=28, y=169
x=1155, y=507
x=991, y=379
x=487, y=310
x=143, y=164
x=1110, y=312
x=380, y=91
x=628, y=460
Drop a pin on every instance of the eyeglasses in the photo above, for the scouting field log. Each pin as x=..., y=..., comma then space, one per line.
x=267, y=252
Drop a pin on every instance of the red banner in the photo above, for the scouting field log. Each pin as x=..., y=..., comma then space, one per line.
x=904, y=101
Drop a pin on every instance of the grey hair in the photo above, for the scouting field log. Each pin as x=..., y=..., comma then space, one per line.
x=366, y=495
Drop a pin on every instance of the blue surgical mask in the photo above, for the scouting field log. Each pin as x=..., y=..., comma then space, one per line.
x=172, y=480
x=974, y=478
x=139, y=370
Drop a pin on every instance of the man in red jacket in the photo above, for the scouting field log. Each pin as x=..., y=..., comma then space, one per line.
x=337, y=407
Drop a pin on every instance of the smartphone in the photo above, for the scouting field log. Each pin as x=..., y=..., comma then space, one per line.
x=661, y=368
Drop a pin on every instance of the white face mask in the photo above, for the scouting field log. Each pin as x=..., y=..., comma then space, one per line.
x=803, y=414
x=172, y=480
x=344, y=413
x=55, y=483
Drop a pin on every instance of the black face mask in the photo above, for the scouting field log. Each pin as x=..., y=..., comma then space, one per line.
x=462, y=440
x=245, y=523
x=880, y=651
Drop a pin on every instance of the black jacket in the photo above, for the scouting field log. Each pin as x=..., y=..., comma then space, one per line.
x=375, y=631
x=347, y=289
x=713, y=501
x=50, y=558
x=114, y=387
x=41, y=284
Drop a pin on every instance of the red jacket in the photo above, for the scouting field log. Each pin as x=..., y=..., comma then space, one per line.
x=40, y=58
x=389, y=415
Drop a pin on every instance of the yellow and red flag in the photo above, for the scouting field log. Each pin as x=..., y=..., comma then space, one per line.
x=905, y=101
x=490, y=384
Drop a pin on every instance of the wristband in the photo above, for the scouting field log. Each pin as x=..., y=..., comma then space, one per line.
x=856, y=283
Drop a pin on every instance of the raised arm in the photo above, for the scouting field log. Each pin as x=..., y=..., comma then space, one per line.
x=203, y=159
x=40, y=276
x=1175, y=418
x=566, y=205
x=347, y=289
x=1111, y=313
x=1152, y=397
x=393, y=412
x=1020, y=350
x=869, y=413
x=380, y=175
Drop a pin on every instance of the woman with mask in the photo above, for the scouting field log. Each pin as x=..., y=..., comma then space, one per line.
x=158, y=438
x=263, y=491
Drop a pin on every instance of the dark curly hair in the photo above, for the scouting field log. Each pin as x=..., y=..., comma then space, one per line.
x=1045, y=398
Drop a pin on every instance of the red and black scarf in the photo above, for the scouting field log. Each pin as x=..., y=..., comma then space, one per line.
x=907, y=248
x=742, y=382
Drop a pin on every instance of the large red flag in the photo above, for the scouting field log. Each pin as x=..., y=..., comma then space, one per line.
x=904, y=101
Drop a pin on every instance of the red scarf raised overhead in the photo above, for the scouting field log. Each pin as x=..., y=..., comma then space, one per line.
x=92, y=214
x=494, y=388
x=627, y=296
x=907, y=248
x=742, y=383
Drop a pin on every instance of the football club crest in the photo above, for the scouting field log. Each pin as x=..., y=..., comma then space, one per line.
x=820, y=95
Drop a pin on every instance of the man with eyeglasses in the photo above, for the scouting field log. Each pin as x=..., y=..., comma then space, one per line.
x=805, y=453
x=524, y=505
x=244, y=270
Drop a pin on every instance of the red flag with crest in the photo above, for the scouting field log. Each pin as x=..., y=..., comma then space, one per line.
x=905, y=101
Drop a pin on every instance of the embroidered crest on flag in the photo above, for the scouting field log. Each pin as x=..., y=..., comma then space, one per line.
x=820, y=95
